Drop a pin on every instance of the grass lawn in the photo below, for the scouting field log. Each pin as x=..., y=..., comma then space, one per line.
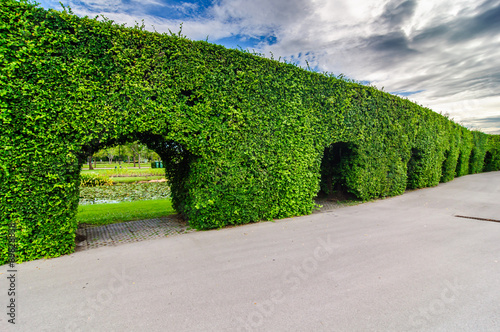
x=126, y=172
x=103, y=214
x=132, y=179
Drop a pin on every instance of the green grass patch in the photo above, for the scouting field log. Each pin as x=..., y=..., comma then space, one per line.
x=126, y=172
x=132, y=179
x=104, y=214
x=112, y=165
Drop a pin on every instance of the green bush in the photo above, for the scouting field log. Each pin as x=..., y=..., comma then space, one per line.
x=94, y=180
x=242, y=138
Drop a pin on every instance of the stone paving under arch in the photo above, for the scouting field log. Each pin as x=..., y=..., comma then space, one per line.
x=91, y=237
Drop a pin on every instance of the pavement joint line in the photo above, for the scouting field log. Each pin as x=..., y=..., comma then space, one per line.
x=476, y=218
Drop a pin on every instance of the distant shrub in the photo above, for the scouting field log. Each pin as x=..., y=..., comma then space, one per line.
x=94, y=180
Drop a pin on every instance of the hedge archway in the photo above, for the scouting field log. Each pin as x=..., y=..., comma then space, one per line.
x=243, y=136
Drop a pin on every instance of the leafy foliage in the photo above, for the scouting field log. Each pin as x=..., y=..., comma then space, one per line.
x=93, y=180
x=242, y=137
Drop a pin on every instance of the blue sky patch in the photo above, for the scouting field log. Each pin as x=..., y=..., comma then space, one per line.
x=406, y=93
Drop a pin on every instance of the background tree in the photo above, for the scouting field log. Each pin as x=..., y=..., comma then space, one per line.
x=136, y=150
x=89, y=159
x=111, y=152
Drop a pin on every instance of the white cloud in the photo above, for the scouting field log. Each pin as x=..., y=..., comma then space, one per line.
x=458, y=76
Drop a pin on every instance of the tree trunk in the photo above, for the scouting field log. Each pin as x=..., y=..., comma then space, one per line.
x=139, y=161
x=90, y=162
x=95, y=163
x=134, y=160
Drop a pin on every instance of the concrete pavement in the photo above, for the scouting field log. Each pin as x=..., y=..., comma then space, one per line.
x=400, y=264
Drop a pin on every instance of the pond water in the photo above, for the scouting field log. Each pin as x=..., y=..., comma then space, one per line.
x=100, y=201
x=123, y=193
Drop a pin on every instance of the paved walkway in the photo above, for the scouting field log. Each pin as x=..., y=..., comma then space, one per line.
x=127, y=232
x=91, y=237
x=405, y=263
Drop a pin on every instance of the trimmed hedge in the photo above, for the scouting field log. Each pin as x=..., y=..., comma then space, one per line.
x=242, y=138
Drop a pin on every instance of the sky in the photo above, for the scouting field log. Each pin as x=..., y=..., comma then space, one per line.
x=441, y=54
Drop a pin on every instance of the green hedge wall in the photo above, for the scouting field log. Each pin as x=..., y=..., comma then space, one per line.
x=243, y=138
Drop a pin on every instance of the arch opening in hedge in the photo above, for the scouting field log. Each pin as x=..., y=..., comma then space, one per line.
x=488, y=159
x=176, y=160
x=334, y=166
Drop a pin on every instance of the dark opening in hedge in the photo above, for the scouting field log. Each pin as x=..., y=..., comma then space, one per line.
x=413, y=168
x=488, y=158
x=333, y=168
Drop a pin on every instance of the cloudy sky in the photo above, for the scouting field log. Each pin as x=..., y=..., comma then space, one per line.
x=442, y=54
